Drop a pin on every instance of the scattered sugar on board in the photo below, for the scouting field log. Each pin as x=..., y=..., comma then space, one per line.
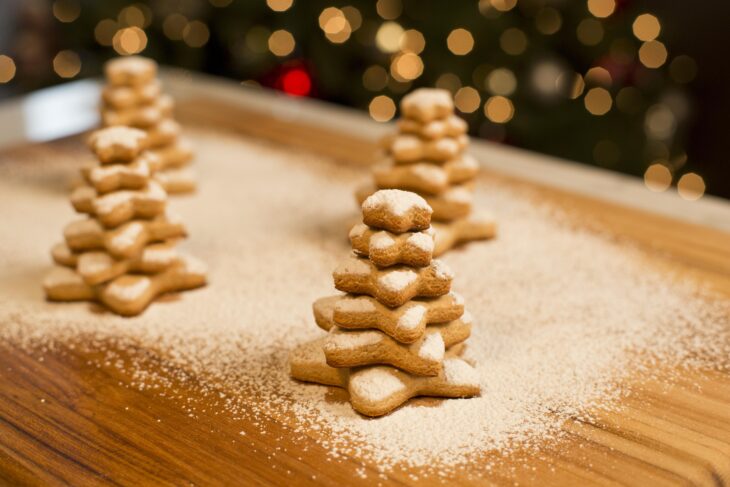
x=561, y=314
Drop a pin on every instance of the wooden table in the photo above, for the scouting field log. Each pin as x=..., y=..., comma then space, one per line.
x=63, y=420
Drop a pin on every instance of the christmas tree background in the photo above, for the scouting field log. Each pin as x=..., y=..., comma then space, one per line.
x=604, y=82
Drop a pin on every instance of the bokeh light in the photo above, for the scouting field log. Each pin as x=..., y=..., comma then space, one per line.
x=382, y=108
x=467, y=99
x=67, y=64
x=281, y=43
x=335, y=25
x=503, y=5
x=412, y=41
x=659, y=122
x=548, y=21
x=460, y=42
x=220, y=3
x=66, y=11
x=173, y=26
x=590, y=32
x=279, y=5
x=406, y=67
x=683, y=69
x=104, y=32
x=448, y=81
x=501, y=81
x=353, y=16
x=598, y=75
x=132, y=16
x=196, y=34
x=389, y=9
x=388, y=37
x=652, y=54
x=7, y=69
x=513, y=41
x=646, y=27
x=598, y=101
x=296, y=82
x=375, y=78
x=691, y=186
x=499, y=109
x=601, y=8
x=657, y=177
x=257, y=39
x=131, y=40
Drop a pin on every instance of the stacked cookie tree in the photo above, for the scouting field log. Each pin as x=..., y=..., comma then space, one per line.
x=133, y=97
x=123, y=254
x=399, y=330
x=428, y=156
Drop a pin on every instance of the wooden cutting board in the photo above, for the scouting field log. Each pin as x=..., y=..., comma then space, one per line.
x=65, y=420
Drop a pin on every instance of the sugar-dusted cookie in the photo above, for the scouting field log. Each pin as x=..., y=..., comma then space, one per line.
x=125, y=241
x=425, y=177
x=392, y=286
x=396, y=211
x=110, y=177
x=375, y=391
x=456, y=202
x=427, y=104
x=176, y=181
x=453, y=126
x=174, y=155
x=451, y=234
x=163, y=133
x=117, y=144
x=144, y=116
x=409, y=148
x=385, y=248
x=129, y=294
x=354, y=348
x=406, y=323
x=113, y=209
x=97, y=266
x=122, y=97
x=130, y=71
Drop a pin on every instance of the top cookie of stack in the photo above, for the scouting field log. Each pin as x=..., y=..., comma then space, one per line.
x=427, y=155
x=133, y=97
x=398, y=311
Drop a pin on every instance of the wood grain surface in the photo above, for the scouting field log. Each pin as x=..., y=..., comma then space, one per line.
x=64, y=420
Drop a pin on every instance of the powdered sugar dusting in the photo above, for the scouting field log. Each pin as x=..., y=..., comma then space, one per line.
x=432, y=347
x=270, y=261
x=376, y=384
x=395, y=201
x=412, y=317
x=346, y=340
x=129, y=292
x=381, y=241
x=353, y=266
x=397, y=280
x=359, y=304
x=422, y=241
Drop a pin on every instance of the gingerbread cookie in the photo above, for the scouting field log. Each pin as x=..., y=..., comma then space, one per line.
x=386, y=249
x=110, y=177
x=175, y=181
x=123, y=97
x=113, y=209
x=396, y=211
x=129, y=294
x=145, y=116
x=163, y=133
x=456, y=202
x=408, y=148
x=449, y=235
x=395, y=285
x=175, y=155
x=130, y=71
x=96, y=267
x=452, y=126
x=117, y=144
x=125, y=241
x=424, y=177
x=405, y=323
x=354, y=348
x=427, y=104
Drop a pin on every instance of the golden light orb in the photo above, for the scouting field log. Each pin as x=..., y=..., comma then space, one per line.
x=67, y=64
x=646, y=27
x=353, y=16
x=601, y=8
x=412, y=41
x=683, y=69
x=460, y=42
x=66, y=11
x=653, y=54
x=513, y=41
x=281, y=43
x=389, y=9
x=7, y=69
x=548, y=21
x=691, y=186
x=499, y=109
x=375, y=78
x=657, y=178
x=501, y=81
x=406, y=67
x=196, y=34
x=467, y=99
x=279, y=5
x=382, y=108
x=104, y=32
x=598, y=101
x=448, y=81
x=590, y=32
x=130, y=40
x=388, y=37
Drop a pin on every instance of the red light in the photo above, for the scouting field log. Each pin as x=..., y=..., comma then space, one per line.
x=296, y=82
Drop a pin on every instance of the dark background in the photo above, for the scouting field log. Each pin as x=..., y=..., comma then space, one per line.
x=671, y=115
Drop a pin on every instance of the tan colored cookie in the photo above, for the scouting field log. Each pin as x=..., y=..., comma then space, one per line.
x=355, y=348
x=396, y=211
x=426, y=177
x=144, y=116
x=452, y=126
x=386, y=249
x=110, y=177
x=97, y=266
x=113, y=209
x=177, y=181
x=174, y=155
x=130, y=71
x=117, y=144
x=427, y=104
x=375, y=391
x=449, y=235
x=454, y=203
x=395, y=285
x=410, y=148
x=129, y=294
x=122, y=97
x=405, y=323
x=163, y=133
x=126, y=241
